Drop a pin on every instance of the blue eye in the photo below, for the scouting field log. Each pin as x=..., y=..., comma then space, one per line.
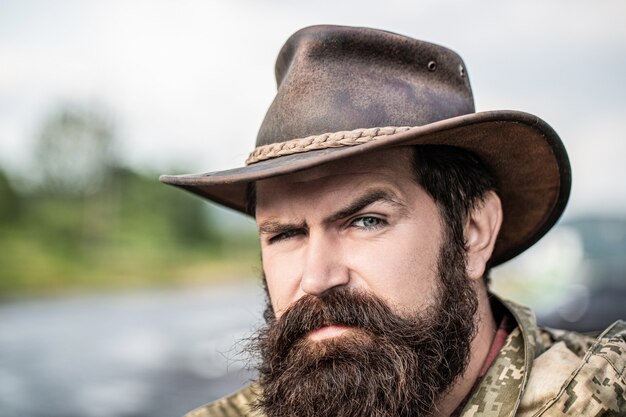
x=368, y=222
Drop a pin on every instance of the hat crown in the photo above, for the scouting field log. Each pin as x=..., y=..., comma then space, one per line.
x=334, y=78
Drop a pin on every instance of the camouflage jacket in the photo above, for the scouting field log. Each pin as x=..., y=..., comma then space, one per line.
x=538, y=372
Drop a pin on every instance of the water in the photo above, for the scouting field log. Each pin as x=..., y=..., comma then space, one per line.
x=157, y=353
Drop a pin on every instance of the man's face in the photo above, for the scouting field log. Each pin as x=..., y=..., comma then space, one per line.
x=362, y=224
x=374, y=313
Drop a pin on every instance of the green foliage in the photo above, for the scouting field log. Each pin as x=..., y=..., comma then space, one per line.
x=133, y=231
x=74, y=151
x=87, y=222
x=9, y=202
x=151, y=209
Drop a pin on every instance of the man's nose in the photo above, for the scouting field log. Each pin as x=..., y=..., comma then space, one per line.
x=323, y=266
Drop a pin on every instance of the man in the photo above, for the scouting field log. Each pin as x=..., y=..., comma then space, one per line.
x=382, y=200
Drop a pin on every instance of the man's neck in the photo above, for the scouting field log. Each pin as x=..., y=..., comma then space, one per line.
x=486, y=330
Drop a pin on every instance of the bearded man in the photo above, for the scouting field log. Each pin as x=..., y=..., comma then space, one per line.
x=382, y=200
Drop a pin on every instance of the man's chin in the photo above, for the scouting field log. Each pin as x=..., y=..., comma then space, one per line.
x=355, y=373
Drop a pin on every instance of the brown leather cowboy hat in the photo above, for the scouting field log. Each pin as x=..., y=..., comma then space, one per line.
x=345, y=91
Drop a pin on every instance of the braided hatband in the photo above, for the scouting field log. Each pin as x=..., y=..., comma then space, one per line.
x=326, y=140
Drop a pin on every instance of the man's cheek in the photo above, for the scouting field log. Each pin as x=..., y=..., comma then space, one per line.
x=283, y=288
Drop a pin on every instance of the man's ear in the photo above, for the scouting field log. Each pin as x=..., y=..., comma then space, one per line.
x=481, y=231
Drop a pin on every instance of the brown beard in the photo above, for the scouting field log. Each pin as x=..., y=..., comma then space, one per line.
x=385, y=365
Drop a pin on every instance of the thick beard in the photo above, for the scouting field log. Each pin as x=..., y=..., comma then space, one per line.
x=387, y=365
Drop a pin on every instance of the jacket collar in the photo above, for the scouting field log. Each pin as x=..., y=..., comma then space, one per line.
x=500, y=391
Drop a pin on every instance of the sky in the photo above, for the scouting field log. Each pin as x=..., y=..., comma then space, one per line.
x=188, y=82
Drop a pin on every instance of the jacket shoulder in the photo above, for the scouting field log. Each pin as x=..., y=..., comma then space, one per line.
x=238, y=404
x=578, y=343
x=578, y=375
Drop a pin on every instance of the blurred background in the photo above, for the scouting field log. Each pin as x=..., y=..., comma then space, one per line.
x=120, y=296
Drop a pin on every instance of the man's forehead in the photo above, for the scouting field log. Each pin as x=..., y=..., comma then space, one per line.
x=341, y=184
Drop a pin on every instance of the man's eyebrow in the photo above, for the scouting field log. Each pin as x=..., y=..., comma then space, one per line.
x=274, y=227
x=370, y=197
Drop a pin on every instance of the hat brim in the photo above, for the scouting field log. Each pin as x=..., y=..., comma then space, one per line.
x=522, y=151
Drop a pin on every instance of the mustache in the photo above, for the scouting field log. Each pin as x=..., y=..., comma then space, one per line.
x=349, y=308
